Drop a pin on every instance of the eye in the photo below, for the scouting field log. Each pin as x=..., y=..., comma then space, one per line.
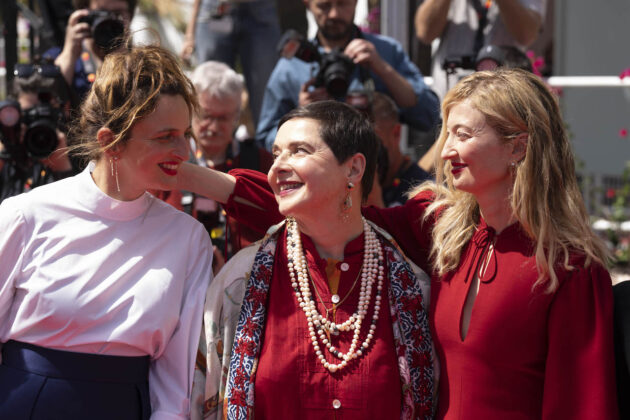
x=462, y=135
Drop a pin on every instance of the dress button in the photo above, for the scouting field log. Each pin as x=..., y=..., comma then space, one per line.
x=345, y=267
x=336, y=404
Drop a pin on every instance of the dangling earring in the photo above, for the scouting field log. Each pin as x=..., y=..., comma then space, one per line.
x=113, y=163
x=347, y=202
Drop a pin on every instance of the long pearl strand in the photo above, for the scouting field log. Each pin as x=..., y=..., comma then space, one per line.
x=319, y=325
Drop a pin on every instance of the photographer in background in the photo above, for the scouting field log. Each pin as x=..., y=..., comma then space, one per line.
x=402, y=173
x=466, y=26
x=378, y=63
x=94, y=30
x=32, y=152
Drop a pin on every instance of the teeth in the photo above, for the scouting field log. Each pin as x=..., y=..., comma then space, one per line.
x=289, y=186
x=170, y=166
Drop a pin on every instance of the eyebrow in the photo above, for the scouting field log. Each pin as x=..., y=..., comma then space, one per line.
x=293, y=143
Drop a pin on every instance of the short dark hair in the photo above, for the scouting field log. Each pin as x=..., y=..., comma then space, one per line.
x=346, y=131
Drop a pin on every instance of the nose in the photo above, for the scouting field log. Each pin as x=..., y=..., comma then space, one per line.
x=182, y=148
x=448, y=152
x=279, y=164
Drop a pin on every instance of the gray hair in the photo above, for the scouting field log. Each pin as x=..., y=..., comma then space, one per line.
x=218, y=80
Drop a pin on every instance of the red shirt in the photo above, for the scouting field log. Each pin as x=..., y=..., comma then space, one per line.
x=290, y=378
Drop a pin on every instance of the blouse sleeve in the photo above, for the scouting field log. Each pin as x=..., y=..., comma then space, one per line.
x=404, y=223
x=12, y=242
x=171, y=373
x=580, y=367
x=253, y=186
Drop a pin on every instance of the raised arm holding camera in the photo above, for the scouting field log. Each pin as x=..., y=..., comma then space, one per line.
x=363, y=61
x=466, y=26
x=93, y=31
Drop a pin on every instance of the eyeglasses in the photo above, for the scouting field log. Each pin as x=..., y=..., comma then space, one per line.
x=219, y=119
x=24, y=71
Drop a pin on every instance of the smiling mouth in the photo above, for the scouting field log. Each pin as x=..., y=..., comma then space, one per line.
x=288, y=188
x=169, y=168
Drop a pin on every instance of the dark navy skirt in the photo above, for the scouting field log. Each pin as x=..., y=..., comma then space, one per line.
x=39, y=383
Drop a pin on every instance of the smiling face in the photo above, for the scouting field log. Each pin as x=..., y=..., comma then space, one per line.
x=306, y=177
x=157, y=146
x=479, y=158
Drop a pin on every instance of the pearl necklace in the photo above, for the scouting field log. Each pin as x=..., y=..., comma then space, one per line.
x=319, y=325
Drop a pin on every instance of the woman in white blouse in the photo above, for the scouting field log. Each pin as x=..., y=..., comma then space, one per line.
x=102, y=284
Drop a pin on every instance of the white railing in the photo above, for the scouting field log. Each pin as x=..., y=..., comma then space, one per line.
x=578, y=81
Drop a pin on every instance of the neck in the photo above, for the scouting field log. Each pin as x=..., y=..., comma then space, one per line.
x=331, y=239
x=497, y=214
x=329, y=44
x=215, y=158
x=102, y=176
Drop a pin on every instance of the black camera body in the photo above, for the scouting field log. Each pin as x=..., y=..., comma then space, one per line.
x=40, y=136
x=40, y=133
x=107, y=28
x=335, y=68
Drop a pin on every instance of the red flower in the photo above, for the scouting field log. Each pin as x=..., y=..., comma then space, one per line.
x=249, y=328
x=623, y=133
x=246, y=347
x=238, y=398
x=411, y=304
x=610, y=193
x=239, y=378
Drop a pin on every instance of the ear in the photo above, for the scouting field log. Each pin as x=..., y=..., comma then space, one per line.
x=396, y=131
x=519, y=146
x=105, y=137
x=356, y=168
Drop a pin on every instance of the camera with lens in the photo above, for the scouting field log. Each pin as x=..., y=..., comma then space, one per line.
x=335, y=68
x=107, y=28
x=32, y=133
x=40, y=133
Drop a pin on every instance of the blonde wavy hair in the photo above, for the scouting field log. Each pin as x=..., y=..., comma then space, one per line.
x=546, y=199
x=126, y=89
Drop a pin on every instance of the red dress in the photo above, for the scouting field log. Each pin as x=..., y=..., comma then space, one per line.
x=527, y=354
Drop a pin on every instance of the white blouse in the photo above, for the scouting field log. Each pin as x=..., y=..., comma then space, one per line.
x=81, y=271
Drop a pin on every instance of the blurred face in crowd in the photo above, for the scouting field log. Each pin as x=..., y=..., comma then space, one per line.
x=120, y=7
x=214, y=127
x=333, y=17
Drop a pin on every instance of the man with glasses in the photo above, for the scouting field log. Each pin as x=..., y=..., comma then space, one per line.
x=220, y=91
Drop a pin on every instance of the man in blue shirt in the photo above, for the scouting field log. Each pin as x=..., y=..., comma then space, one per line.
x=292, y=82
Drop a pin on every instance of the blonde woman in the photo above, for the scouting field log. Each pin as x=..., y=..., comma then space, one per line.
x=521, y=303
x=102, y=284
